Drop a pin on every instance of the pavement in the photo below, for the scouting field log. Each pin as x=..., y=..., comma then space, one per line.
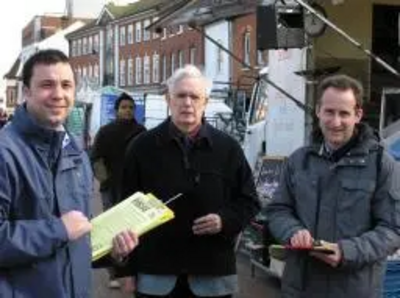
x=258, y=286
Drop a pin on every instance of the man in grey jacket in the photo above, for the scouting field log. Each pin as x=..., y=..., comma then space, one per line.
x=341, y=190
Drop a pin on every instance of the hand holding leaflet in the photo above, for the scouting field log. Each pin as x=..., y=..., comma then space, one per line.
x=139, y=212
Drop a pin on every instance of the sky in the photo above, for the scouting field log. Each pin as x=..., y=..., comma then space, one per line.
x=15, y=14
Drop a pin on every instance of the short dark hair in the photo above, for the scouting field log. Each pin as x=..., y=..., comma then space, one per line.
x=44, y=57
x=342, y=82
x=123, y=96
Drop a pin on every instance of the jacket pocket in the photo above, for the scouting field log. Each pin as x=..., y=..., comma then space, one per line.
x=354, y=206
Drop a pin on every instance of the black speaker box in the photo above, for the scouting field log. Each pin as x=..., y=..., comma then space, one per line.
x=279, y=27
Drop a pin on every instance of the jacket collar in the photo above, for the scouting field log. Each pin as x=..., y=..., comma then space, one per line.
x=42, y=137
x=169, y=132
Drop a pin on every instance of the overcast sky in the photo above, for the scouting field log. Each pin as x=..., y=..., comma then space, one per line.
x=15, y=14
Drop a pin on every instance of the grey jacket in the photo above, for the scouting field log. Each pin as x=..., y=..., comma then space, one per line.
x=350, y=202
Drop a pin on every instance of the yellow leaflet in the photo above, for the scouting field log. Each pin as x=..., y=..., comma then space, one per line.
x=139, y=212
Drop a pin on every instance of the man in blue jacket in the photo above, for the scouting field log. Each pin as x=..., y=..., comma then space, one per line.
x=45, y=191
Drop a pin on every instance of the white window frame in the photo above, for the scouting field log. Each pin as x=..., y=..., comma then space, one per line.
x=156, y=68
x=192, y=55
x=96, y=44
x=79, y=48
x=138, y=31
x=90, y=45
x=122, y=36
x=180, y=29
x=130, y=34
x=155, y=34
x=84, y=46
x=146, y=33
x=246, y=47
x=164, y=67
x=130, y=72
x=122, y=72
x=138, y=70
x=146, y=69
x=173, y=62
x=181, y=59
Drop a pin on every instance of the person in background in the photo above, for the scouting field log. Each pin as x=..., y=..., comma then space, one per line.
x=193, y=255
x=3, y=117
x=108, y=154
x=45, y=191
x=343, y=190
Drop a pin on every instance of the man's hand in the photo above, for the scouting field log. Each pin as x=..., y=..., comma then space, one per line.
x=207, y=225
x=332, y=259
x=76, y=224
x=302, y=238
x=123, y=244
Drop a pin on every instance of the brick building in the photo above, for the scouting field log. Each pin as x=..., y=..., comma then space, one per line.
x=118, y=50
x=39, y=29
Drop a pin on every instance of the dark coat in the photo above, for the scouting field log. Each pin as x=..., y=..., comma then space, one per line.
x=213, y=176
x=352, y=200
x=110, y=144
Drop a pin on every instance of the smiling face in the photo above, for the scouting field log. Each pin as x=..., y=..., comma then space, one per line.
x=187, y=102
x=338, y=114
x=51, y=93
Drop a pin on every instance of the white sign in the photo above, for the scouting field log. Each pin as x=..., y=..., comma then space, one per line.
x=285, y=120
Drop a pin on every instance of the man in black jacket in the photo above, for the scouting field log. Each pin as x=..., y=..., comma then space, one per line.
x=108, y=153
x=193, y=255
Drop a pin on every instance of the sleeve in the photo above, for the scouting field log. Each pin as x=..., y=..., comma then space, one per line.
x=244, y=204
x=24, y=241
x=384, y=238
x=99, y=146
x=281, y=212
x=130, y=182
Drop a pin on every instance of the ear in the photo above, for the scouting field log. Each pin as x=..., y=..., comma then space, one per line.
x=26, y=92
x=168, y=98
x=359, y=114
x=317, y=111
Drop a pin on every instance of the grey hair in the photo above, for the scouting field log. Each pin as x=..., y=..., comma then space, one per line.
x=189, y=71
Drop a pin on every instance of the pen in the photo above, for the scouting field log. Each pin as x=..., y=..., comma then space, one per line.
x=173, y=198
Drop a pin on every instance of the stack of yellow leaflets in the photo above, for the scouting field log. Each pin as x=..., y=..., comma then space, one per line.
x=139, y=212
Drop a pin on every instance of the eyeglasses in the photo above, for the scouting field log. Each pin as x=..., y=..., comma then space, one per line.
x=183, y=95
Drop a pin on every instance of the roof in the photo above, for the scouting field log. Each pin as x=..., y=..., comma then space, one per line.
x=92, y=24
x=13, y=72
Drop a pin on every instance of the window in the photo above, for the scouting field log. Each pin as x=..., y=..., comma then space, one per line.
x=84, y=73
x=146, y=70
x=122, y=69
x=180, y=59
x=79, y=50
x=260, y=58
x=192, y=54
x=164, y=68
x=220, y=58
x=96, y=71
x=130, y=72
x=138, y=70
x=138, y=30
x=164, y=34
x=156, y=68
x=146, y=33
x=90, y=74
x=73, y=48
x=155, y=34
x=172, y=63
x=246, y=48
x=96, y=43
x=130, y=34
x=180, y=29
x=84, y=46
x=122, y=36
x=90, y=46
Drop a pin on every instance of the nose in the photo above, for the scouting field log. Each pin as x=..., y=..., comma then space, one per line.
x=58, y=91
x=336, y=120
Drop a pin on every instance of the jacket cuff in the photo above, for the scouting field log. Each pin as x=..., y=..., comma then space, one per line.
x=349, y=253
x=60, y=230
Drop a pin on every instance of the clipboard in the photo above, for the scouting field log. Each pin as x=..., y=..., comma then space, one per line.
x=279, y=249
